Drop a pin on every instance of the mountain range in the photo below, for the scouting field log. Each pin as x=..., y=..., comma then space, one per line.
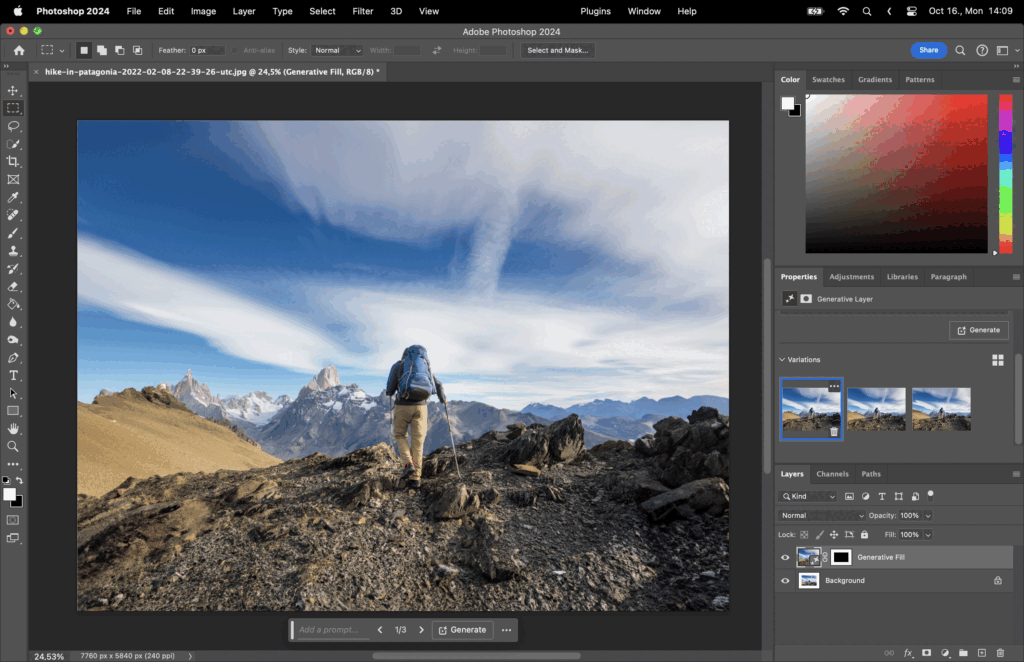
x=334, y=419
x=637, y=409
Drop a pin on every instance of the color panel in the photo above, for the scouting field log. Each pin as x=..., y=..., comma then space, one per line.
x=1005, y=173
x=897, y=173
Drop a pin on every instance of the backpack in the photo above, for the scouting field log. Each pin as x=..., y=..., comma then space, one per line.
x=416, y=382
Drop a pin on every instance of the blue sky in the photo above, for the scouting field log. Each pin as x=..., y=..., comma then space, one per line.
x=799, y=399
x=553, y=262
x=887, y=400
x=953, y=400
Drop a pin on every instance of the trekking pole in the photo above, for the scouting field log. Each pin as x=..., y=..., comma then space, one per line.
x=452, y=437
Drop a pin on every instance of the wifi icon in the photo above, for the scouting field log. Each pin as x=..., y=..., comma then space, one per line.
x=844, y=10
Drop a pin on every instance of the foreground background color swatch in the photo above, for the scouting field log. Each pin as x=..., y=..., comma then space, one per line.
x=897, y=173
x=1006, y=173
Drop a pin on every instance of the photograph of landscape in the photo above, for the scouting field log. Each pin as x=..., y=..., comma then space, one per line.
x=876, y=409
x=942, y=409
x=810, y=409
x=244, y=289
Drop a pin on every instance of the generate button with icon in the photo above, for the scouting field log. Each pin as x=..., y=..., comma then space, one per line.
x=462, y=630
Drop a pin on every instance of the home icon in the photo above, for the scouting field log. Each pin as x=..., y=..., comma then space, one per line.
x=19, y=51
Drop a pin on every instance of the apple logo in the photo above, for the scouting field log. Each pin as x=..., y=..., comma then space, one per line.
x=17, y=10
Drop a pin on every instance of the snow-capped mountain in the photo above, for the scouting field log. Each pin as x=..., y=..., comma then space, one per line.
x=257, y=407
x=197, y=397
x=327, y=378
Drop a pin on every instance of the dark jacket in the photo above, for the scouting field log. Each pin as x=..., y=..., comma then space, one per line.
x=396, y=375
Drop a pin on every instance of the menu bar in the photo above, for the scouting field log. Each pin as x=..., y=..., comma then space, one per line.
x=690, y=12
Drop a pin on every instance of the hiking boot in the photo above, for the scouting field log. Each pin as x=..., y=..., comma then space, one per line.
x=409, y=470
x=413, y=484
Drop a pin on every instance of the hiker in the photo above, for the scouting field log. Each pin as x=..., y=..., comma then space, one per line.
x=413, y=381
x=942, y=413
x=876, y=413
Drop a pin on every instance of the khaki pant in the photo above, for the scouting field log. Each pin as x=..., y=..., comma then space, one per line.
x=414, y=417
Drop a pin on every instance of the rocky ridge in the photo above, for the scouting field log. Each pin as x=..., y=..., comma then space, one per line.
x=530, y=520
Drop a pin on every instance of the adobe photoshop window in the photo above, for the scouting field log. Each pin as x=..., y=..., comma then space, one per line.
x=418, y=332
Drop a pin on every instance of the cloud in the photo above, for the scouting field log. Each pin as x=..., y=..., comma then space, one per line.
x=652, y=193
x=951, y=399
x=887, y=400
x=853, y=404
x=141, y=289
x=508, y=351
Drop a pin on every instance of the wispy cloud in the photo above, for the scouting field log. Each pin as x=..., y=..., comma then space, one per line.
x=144, y=290
x=650, y=192
x=887, y=400
x=950, y=399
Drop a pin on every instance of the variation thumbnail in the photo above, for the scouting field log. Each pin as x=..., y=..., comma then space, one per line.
x=812, y=409
x=876, y=409
x=897, y=173
x=396, y=366
x=944, y=409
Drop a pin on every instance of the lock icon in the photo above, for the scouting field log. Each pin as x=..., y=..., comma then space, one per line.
x=998, y=581
x=863, y=535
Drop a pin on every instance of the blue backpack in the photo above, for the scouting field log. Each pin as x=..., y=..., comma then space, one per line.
x=416, y=382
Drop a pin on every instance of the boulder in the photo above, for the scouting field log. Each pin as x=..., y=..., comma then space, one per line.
x=648, y=488
x=645, y=445
x=442, y=461
x=454, y=503
x=561, y=441
x=710, y=495
x=378, y=455
x=611, y=446
x=667, y=424
x=525, y=470
x=516, y=426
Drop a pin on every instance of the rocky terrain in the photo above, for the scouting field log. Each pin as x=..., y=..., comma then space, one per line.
x=952, y=422
x=818, y=422
x=884, y=422
x=535, y=521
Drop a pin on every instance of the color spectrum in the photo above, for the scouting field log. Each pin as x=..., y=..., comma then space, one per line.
x=897, y=173
x=1005, y=173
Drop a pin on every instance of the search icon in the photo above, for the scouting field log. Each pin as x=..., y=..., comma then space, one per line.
x=13, y=446
x=785, y=495
x=960, y=50
x=866, y=11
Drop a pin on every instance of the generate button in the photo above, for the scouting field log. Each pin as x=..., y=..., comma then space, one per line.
x=979, y=330
x=928, y=50
x=462, y=630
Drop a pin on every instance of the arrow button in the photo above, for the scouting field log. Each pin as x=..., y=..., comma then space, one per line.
x=380, y=630
x=421, y=629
